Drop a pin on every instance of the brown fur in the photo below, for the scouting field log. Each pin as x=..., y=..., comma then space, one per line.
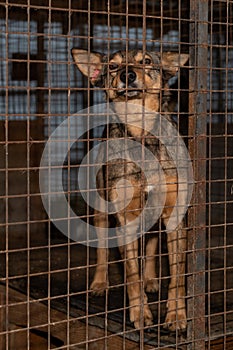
x=146, y=76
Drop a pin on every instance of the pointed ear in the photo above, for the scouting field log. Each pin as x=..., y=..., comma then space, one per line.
x=171, y=61
x=89, y=64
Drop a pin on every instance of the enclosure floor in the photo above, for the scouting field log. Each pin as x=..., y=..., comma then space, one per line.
x=69, y=274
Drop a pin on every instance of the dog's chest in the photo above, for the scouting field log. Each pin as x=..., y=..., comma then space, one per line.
x=139, y=157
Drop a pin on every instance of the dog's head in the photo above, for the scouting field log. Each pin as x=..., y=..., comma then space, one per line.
x=130, y=75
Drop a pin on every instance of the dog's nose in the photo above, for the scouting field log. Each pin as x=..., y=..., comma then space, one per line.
x=128, y=77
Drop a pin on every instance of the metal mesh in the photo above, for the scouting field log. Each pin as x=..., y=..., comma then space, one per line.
x=45, y=297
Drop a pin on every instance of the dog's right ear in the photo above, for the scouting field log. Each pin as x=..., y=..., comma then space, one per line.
x=89, y=63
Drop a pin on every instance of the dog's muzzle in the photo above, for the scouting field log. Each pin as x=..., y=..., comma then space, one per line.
x=128, y=77
x=129, y=86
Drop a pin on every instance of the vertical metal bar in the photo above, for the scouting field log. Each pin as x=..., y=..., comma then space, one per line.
x=210, y=155
x=6, y=323
x=87, y=146
x=197, y=133
x=142, y=240
x=49, y=33
x=27, y=170
x=226, y=167
x=68, y=328
x=40, y=93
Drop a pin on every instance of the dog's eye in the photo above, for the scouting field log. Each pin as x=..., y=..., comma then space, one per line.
x=145, y=61
x=113, y=66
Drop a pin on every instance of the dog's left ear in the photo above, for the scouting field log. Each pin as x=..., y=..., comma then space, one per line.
x=171, y=61
x=89, y=63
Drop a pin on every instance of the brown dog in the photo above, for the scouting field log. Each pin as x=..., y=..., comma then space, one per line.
x=139, y=78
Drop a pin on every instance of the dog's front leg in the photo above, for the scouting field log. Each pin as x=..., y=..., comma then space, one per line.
x=176, y=244
x=176, y=309
x=139, y=310
x=100, y=281
x=150, y=278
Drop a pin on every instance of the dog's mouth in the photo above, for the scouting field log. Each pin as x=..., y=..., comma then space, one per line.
x=129, y=92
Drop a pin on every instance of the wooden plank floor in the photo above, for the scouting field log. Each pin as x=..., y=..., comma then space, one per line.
x=49, y=275
x=221, y=344
x=33, y=328
x=41, y=337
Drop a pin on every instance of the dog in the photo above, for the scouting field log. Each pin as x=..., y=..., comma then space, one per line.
x=140, y=78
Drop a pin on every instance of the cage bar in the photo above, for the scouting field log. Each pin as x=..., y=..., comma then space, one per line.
x=46, y=300
x=198, y=132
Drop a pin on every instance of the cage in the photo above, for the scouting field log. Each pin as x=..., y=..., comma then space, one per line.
x=46, y=269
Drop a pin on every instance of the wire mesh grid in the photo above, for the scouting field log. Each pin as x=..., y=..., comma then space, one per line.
x=46, y=295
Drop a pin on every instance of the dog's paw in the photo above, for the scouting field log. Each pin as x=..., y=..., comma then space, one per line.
x=151, y=285
x=136, y=316
x=176, y=320
x=99, y=287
